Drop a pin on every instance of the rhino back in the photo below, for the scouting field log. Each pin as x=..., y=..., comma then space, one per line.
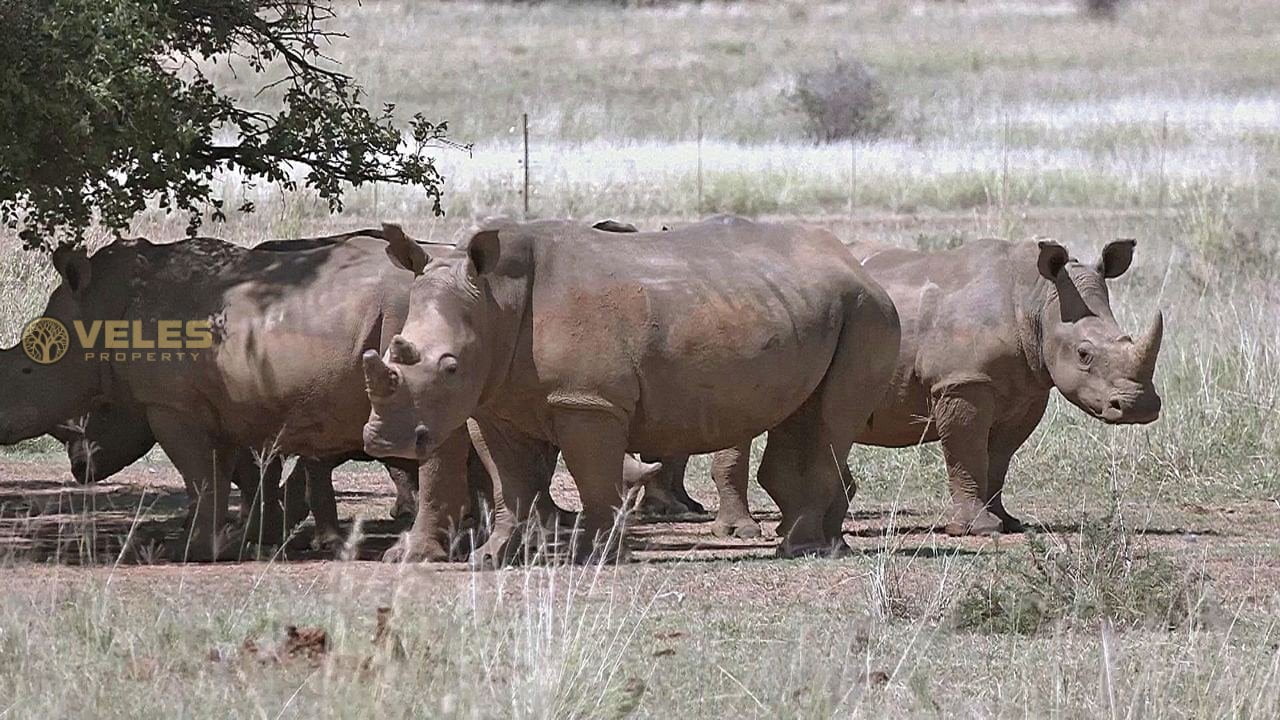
x=288, y=327
x=710, y=331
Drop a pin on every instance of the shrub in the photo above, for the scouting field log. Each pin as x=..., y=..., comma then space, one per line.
x=936, y=242
x=1101, y=9
x=1100, y=577
x=842, y=101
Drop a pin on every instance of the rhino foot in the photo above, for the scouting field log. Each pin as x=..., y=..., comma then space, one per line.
x=980, y=522
x=1010, y=524
x=681, y=498
x=603, y=548
x=663, y=505
x=832, y=549
x=498, y=551
x=414, y=548
x=741, y=528
x=201, y=547
x=269, y=533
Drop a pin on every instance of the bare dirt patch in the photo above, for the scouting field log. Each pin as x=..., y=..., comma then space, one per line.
x=45, y=519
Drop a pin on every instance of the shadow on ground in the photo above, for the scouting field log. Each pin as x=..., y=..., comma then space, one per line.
x=50, y=521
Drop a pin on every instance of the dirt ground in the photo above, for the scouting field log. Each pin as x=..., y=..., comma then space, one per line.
x=48, y=521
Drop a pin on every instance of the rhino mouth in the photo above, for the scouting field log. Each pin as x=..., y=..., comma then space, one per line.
x=1131, y=410
x=419, y=446
x=379, y=447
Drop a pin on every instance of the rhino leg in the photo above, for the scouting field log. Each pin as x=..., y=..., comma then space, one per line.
x=518, y=466
x=206, y=467
x=246, y=477
x=963, y=415
x=997, y=469
x=1005, y=440
x=269, y=500
x=805, y=463
x=798, y=473
x=308, y=490
x=404, y=475
x=324, y=504
x=296, y=507
x=594, y=444
x=480, y=489
x=679, y=491
x=664, y=491
x=443, y=501
x=260, y=498
x=729, y=469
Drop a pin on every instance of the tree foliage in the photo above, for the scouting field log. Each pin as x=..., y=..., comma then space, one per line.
x=105, y=106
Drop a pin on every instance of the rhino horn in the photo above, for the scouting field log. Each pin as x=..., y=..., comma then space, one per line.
x=1149, y=347
x=403, y=352
x=379, y=379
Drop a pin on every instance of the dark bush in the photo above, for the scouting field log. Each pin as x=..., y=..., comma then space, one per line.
x=1102, y=9
x=842, y=101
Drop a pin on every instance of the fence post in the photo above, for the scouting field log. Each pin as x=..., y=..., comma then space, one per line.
x=700, y=206
x=1162, y=226
x=1006, y=225
x=1164, y=143
x=526, y=166
x=853, y=176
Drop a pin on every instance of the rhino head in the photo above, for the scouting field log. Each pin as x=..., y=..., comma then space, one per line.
x=1092, y=361
x=39, y=396
x=107, y=440
x=431, y=377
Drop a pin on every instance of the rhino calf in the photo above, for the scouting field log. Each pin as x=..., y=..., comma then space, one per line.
x=989, y=329
x=555, y=333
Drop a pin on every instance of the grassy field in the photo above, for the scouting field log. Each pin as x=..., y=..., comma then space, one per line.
x=1151, y=589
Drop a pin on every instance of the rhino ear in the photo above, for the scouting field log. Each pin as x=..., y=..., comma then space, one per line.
x=483, y=250
x=73, y=265
x=1053, y=257
x=403, y=250
x=1116, y=257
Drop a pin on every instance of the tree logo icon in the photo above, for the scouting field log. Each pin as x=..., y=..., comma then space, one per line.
x=45, y=340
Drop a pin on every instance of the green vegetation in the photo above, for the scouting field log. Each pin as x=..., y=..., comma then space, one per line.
x=107, y=107
x=1097, y=577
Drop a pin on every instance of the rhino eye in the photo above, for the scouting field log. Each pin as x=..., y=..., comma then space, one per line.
x=448, y=364
x=1084, y=356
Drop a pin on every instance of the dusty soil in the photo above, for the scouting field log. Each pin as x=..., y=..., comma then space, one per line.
x=47, y=522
